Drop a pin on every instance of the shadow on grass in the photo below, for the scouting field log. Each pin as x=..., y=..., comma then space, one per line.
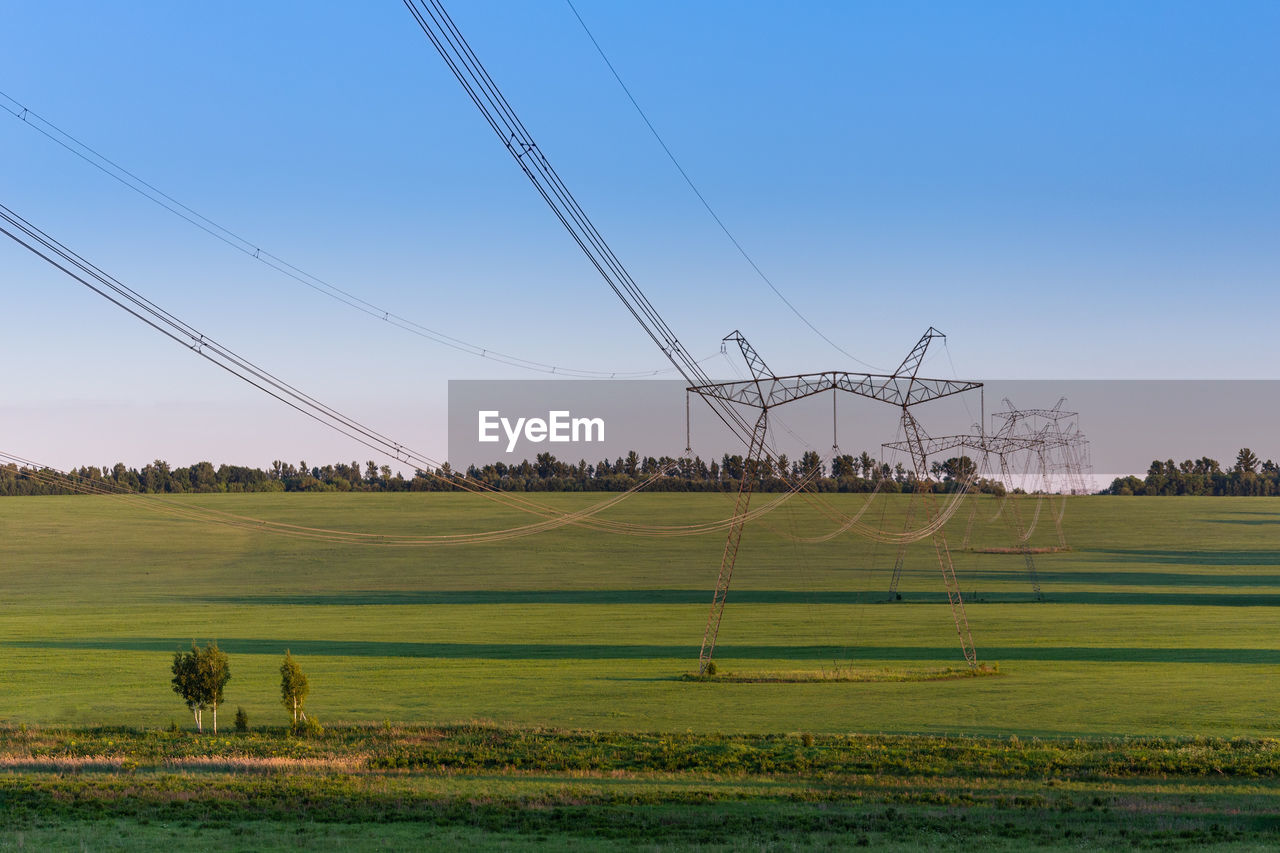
x=1247, y=521
x=1136, y=578
x=783, y=596
x=603, y=651
x=1188, y=558
x=548, y=596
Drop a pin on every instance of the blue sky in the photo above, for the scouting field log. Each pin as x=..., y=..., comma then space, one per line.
x=1082, y=190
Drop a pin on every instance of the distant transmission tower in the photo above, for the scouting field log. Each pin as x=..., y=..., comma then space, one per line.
x=1049, y=440
x=1002, y=446
x=1063, y=451
x=765, y=390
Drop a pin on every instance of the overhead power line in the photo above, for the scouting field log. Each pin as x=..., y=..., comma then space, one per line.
x=443, y=33
x=64, y=259
x=703, y=199
x=59, y=256
x=440, y=29
x=114, y=291
x=252, y=249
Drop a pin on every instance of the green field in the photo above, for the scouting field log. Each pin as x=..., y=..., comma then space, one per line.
x=441, y=787
x=1159, y=622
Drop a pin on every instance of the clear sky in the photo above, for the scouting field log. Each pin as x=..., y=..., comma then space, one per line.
x=1068, y=190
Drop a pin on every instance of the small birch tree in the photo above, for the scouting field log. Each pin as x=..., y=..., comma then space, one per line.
x=199, y=677
x=215, y=673
x=293, y=687
x=186, y=682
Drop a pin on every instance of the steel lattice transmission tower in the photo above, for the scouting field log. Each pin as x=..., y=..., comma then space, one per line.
x=763, y=391
x=1067, y=467
x=1062, y=451
x=1003, y=446
x=904, y=388
x=1048, y=439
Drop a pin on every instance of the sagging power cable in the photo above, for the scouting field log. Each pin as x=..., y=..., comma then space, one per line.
x=64, y=259
x=255, y=251
x=117, y=293
x=703, y=199
x=440, y=30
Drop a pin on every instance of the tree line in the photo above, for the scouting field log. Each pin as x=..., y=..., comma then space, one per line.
x=1204, y=476
x=845, y=473
x=1249, y=476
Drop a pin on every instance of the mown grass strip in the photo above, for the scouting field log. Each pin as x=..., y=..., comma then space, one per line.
x=843, y=676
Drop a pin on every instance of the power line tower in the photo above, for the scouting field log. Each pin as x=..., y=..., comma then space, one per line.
x=765, y=390
x=1062, y=454
x=1002, y=446
x=1048, y=440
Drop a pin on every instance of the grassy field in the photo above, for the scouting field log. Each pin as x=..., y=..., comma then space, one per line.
x=485, y=786
x=1159, y=622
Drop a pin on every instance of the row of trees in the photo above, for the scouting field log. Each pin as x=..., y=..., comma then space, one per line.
x=200, y=677
x=1204, y=476
x=159, y=478
x=846, y=473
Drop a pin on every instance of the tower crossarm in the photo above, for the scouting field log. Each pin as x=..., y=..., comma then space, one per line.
x=1053, y=440
x=1012, y=413
x=1000, y=445
x=1047, y=414
x=775, y=390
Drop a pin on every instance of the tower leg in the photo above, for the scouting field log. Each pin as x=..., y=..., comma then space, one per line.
x=730, y=555
x=1013, y=520
x=973, y=513
x=953, y=596
x=1046, y=471
x=914, y=436
x=968, y=528
x=1057, y=520
x=901, y=558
